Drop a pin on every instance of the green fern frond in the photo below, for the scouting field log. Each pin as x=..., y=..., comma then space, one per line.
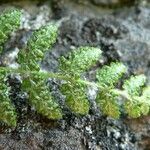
x=38, y=44
x=7, y=110
x=107, y=77
x=132, y=109
x=137, y=107
x=76, y=99
x=110, y=75
x=146, y=100
x=80, y=60
x=146, y=93
x=9, y=22
x=40, y=97
x=108, y=105
x=144, y=109
x=134, y=85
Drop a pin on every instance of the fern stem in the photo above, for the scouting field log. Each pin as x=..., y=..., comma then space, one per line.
x=46, y=75
x=59, y=76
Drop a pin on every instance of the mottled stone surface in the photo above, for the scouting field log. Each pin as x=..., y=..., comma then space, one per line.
x=123, y=34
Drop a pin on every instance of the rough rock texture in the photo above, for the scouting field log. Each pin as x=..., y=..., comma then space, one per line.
x=111, y=3
x=122, y=34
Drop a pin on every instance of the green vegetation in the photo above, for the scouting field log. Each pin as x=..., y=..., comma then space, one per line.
x=9, y=22
x=135, y=96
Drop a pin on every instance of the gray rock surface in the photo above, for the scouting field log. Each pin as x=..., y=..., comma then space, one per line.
x=123, y=34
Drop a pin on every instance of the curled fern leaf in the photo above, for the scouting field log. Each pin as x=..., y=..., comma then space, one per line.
x=134, y=85
x=76, y=99
x=108, y=104
x=109, y=75
x=7, y=110
x=80, y=60
x=40, y=98
x=38, y=44
x=9, y=22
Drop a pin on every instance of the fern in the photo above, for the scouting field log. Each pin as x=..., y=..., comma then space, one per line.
x=76, y=99
x=108, y=104
x=9, y=21
x=37, y=45
x=79, y=61
x=146, y=93
x=135, y=106
x=39, y=96
x=134, y=96
x=139, y=104
x=109, y=75
x=134, y=85
x=34, y=84
x=7, y=110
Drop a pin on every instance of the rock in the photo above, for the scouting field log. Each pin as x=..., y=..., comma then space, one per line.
x=122, y=34
x=111, y=3
x=105, y=2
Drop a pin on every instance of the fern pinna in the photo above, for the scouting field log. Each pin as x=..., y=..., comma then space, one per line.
x=135, y=96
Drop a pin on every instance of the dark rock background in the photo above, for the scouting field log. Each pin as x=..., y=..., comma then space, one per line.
x=121, y=28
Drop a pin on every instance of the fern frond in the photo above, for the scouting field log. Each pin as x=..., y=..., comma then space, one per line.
x=132, y=109
x=76, y=99
x=80, y=60
x=146, y=93
x=109, y=75
x=38, y=44
x=7, y=110
x=144, y=108
x=134, y=85
x=139, y=105
x=9, y=22
x=40, y=97
x=107, y=104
